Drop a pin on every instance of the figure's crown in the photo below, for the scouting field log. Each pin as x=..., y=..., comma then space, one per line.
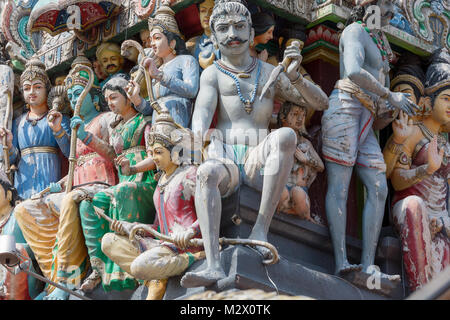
x=165, y=20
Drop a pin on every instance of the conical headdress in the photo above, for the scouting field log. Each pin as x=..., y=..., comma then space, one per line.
x=35, y=69
x=165, y=20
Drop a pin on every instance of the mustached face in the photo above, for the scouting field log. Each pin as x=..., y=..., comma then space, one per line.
x=233, y=34
x=111, y=61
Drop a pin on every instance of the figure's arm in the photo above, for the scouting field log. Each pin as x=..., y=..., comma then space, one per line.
x=186, y=87
x=62, y=137
x=14, y=141
x=302, y=92
x=206, y=102
x=100, y=146
x=403, y=128
x=309, y=157
x=145, y=165
x=294, y=87
x=404, y=177
x=144, y=107
x=354, y=54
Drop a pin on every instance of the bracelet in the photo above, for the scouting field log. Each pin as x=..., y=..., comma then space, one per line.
x=60, y=133
x=394, y=147
x=88, y=138
x=421, y=172
x=133, y=170
x=298, y=79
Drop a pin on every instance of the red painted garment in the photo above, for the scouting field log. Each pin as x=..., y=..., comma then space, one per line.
x=176, y=205
x=16, y=286
x=423, y=257
x=96, y=167
x=433, y=189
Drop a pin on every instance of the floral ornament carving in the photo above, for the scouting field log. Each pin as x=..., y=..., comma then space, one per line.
x=430, y=20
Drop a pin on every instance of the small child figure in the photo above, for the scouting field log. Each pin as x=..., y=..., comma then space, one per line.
x=294, y=199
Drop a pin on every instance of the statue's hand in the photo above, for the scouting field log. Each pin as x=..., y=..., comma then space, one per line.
x=402, y=127
x=9, y=136
x=435, y=227
x=294, y=54
x=263, y=55
x=399, y=100
x=77, y=122
x=150, y=65
x=55, y=187
x=124, y=165
x=300, y=155
x=133, y=90
x=181, y=237
x=56, y=117
x=434, y=157
x=122, y=227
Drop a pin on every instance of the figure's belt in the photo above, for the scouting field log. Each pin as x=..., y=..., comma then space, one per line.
x=86, y=157
x=134, y=150
x=350, y=87
x=31, y=150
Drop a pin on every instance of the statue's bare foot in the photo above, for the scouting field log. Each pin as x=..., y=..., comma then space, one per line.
x=91, y=282
x=347, y=268
x=202, y=278
x=57, y=294
x=373, y=271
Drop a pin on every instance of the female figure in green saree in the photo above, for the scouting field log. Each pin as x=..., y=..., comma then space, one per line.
x=131, y=199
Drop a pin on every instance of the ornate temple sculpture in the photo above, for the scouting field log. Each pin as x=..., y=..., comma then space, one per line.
x=420, y=178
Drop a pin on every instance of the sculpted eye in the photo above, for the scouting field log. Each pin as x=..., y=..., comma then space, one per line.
x=221, y=28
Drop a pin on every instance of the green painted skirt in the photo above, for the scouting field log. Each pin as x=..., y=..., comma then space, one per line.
x=126, y=201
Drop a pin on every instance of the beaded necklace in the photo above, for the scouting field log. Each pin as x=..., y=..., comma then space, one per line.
x=248, y=103
x=376, y=40
x=36, y=120
x=162, y=186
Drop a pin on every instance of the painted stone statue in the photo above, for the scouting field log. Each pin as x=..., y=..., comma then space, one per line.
x=144, y=35
x=264, y=26
x=349, y=140
x=176, y=81
x=240, y=149
x=201, y=47
x=420, y=178
x=294, y=199
x=108, y=54
x=51, y=224
x=35, y=142
x=409, y=77
x=131, y=199
x=155, y=260
x=19, y=286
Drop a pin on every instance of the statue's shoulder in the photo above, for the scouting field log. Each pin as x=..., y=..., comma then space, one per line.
x=183, y=58
x=210, y=73
x=353, y=29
